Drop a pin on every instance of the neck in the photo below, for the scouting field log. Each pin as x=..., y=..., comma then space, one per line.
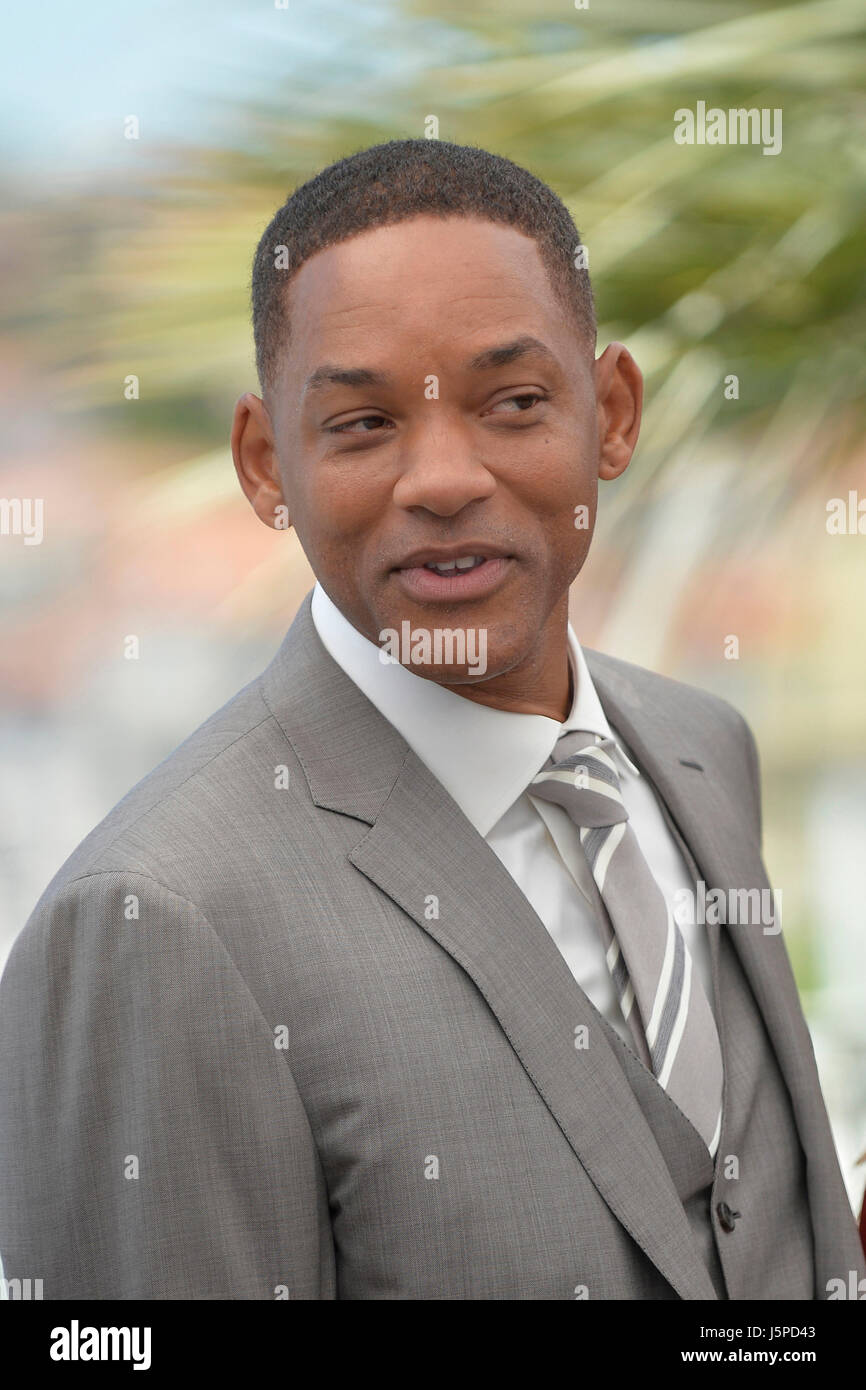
x=540, y=684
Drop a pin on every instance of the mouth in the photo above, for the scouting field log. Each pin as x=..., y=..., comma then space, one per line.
x=454, y=578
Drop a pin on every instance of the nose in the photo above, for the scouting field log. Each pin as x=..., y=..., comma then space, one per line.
x=441, y=470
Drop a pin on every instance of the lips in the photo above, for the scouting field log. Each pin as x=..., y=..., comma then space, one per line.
x=458, y=566
x=444, y=554
x=456, y=584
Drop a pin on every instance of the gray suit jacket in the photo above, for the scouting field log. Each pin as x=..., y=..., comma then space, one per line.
x=284, y=1026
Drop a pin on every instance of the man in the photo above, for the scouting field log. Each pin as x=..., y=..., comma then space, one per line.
x=381, y=985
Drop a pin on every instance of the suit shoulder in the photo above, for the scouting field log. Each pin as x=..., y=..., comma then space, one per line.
x=185, y=814
x=688, y=718
x=673, y=696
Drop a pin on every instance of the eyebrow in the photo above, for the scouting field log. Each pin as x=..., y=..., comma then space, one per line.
x=507, y=353
x=500, y=356
x=329, y=375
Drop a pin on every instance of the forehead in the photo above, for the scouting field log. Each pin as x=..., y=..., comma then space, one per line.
x=417, y=282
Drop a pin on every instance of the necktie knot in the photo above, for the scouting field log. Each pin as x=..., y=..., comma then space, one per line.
x=583, y=780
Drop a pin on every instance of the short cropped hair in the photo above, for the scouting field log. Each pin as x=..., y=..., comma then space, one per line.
x=389, y=183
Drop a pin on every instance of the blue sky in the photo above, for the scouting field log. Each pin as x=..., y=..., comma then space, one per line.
x=75, y=70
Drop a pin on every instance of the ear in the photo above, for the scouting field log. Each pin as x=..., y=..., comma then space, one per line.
x=619, y=400
x=255, y=460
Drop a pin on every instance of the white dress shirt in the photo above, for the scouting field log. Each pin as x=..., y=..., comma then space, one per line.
x=485, y=759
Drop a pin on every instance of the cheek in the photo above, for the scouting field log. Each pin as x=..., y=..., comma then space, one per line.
x=564, y=498
x=337, y=503
x=562, y=478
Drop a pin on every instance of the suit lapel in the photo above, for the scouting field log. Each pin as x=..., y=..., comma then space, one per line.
x=420, y=845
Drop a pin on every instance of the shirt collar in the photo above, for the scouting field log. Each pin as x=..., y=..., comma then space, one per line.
x=484, y=758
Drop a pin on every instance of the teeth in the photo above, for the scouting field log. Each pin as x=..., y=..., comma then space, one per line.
x=464, y=562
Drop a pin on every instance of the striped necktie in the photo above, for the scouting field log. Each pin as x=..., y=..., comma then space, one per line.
x=662, y=998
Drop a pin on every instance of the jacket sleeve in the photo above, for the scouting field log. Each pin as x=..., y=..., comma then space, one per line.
x=153, y=1143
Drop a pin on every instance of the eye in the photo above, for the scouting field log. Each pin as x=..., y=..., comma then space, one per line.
x=527, y=400
x=365, y=420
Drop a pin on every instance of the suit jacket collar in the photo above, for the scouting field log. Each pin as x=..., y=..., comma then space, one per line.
x=483, y=757
x=420, y=843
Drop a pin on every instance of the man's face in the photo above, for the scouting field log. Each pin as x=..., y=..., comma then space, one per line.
x=436, y=402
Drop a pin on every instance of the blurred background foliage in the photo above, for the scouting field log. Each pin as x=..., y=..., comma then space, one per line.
x=707, y=260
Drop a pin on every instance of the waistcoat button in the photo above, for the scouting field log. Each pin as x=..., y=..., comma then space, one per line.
x=727, y=1217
